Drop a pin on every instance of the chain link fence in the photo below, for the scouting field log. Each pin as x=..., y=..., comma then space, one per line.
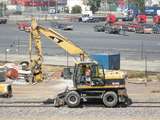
x=21, y=47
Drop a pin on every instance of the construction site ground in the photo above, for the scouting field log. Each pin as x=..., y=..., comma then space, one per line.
x=145, y=97
x=146, y=103
x=126, y=64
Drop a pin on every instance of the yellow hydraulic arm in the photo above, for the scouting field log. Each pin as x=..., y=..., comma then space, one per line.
x=61, y=41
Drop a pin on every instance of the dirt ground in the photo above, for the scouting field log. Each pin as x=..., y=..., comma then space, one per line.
x=147, y=106
x=146, y=98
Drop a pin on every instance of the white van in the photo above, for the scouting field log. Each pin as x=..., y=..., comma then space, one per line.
x=86, y=15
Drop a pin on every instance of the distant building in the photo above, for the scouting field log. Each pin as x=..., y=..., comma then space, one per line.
x=107, y=5
x=3, y=1
x=81, y=3
x=152, y=3
x=62, y=4
x=59, y=5
x=33, y=2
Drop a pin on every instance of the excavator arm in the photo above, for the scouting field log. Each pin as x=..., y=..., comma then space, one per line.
x=61, y=41
x=54, y=36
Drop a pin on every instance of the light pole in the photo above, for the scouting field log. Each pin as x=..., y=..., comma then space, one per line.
x=6, y=53
x=33, y=4
x=56, y=6
x=48, y=5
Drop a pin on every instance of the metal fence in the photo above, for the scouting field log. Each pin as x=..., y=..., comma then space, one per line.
x=21, y=47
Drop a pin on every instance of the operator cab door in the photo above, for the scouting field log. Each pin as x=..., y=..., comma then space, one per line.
x=82, y=77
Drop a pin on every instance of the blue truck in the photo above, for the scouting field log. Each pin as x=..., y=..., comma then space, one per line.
x=152, y=11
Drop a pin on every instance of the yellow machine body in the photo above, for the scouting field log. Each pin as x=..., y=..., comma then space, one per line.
x=5, y=90
x=115, y=74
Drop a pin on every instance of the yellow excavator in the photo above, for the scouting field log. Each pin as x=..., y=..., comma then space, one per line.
x=35, y=36
x=89, y=79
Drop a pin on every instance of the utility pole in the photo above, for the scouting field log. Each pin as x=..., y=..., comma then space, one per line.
x=142, y=51
x=3, y=8
x=146, y=71
x=67, y=59
x=6, y=54
x=18, y=45
x=48, y=5
x=56, y=6
x=127, y=4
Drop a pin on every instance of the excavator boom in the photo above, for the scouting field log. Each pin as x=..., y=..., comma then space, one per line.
x=61, y=41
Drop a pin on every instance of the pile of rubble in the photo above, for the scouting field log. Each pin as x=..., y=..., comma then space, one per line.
x=15, y=73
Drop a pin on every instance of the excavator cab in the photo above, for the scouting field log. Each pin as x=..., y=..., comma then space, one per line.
x=88, y=74
x=90, y=84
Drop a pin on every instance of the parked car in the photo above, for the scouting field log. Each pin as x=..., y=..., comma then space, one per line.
x=99, y=28
x=131, y=27
x=55, y=25
x=3, y=20
x=148, y=28
x=128, y=18
x=65, y=26
x=156, y=29
x=24, y=26
x=62, y=26
x=145, y=28
x=115, y=28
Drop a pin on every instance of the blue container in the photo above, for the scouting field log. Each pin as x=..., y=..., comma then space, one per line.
x=108, y=61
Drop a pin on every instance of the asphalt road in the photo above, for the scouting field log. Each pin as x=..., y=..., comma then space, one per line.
x=131, y=46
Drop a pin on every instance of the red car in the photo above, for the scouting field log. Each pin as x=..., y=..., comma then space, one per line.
x=132, y=27
x=24, y=26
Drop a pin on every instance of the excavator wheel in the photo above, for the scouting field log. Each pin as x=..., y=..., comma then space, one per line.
x=72, y=99
x=110, y=99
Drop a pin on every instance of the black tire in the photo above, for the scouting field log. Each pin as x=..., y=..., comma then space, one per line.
x=107, y=30
x=72, y=99
x=129, y=101
x=5, y=21
x=95, y=29
x=110, y=99
x=24, y=62
x=110, y=30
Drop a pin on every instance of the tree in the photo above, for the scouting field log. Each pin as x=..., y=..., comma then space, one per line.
x=66, y=10
x=139, y=3
x=2, y=8
x=76, y=9
x=95, y=4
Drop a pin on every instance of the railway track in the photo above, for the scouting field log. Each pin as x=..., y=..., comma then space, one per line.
x=25, y=104
x=41, y=104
